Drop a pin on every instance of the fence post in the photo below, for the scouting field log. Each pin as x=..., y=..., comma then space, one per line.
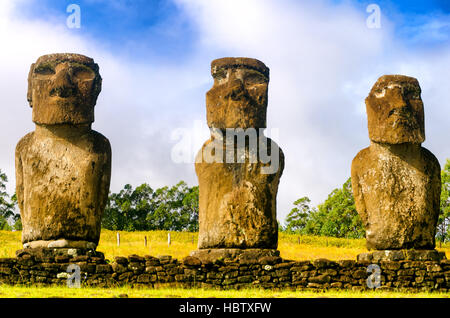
x=168, y=239
x=145, y=241
x=118, y=239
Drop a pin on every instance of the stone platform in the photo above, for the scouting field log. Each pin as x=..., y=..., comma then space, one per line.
x=61, y=244
x=235, y=269
x=242, y=255
x=402, y=255
x=59, y=255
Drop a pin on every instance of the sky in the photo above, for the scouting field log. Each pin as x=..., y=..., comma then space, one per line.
x=154, y=57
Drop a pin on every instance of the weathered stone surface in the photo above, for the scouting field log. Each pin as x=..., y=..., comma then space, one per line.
x=238, y=98
x=389, y=255
x=238, y=187
x=402, y=255
x=405, y=275
x=164, y=259
x=247, y=256
x=151, y=261
x=61, y=255
x=346, y=263
x=63, y=88
x=191, y=261
x=395, y=111
x=7, y=261
x=270, y=260
x=320, y=279
x=62, y=258
x=323, y=263
x=135, y=258
x=121, y=260
x=63, y=168
x=396, y=182
x=424, y=255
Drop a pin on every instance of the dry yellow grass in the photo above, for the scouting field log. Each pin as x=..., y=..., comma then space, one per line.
x=148, y=292
x=294, y=247
x=133, y=243
x=10, y=242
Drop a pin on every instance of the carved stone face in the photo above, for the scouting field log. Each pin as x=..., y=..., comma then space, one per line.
x=63, y=89
x=238, y=98
x=395, y=110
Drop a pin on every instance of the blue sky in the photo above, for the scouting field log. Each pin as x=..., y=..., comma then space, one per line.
x=136, y=28
x=155, y=56
x=160, y=29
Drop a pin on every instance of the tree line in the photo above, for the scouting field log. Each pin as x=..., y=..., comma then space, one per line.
x=175, y=208
x=144, y=209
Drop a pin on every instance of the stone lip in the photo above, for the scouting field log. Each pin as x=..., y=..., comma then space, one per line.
x=45, y=254
x=400, y=255
x=242, y=255
x=239, y=62
x=62, y=243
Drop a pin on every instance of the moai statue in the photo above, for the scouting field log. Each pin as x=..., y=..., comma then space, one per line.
x=63, y=168
x=238, y=168
x=396, y=182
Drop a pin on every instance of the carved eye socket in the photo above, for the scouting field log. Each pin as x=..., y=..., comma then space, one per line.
x=44, y=70
x=220, y=74
x=412, y=94
x=83, y=74
x=255, y=78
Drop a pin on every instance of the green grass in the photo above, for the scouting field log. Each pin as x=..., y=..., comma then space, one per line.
x=64, y=292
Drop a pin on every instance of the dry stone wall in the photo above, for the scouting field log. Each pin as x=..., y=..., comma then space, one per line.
x=270, y=272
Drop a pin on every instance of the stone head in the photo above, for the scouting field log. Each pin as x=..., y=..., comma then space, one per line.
x=63, y=89
x=395, y=111
x=238, y=98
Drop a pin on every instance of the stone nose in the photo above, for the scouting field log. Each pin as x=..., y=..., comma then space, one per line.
x=401, y=109
x=399, y=104
x=63, y=85
x=236, y=89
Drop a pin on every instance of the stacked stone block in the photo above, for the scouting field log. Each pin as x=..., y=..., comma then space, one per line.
x=267, y=272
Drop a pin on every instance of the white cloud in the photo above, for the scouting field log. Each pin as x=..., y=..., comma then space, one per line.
x=323, y=62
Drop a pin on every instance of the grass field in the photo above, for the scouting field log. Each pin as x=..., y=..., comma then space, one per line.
x=128, y=292
x=294, y=247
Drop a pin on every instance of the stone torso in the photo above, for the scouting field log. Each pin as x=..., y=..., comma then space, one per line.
x=237, y=204
x=64, y=184
x=397, y=195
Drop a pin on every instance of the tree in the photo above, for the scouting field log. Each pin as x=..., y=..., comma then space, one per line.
x=340, y=218
x=335, y=217
x=128, y=209
x=176, y=208
x=17, y=220
x=7, y=207
x=443, y=227
x=190, y=206
x=297, y=219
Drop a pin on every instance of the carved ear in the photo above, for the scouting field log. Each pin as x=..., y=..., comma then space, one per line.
x=29, y=95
